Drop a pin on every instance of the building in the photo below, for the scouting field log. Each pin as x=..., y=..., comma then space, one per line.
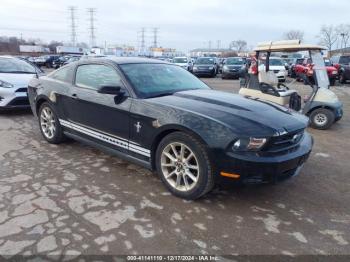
x=33, y=49
x=209, y=52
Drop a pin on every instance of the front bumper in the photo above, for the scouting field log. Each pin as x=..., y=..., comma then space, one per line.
x=204, y=72
x=13, y=98
x=230, y=74
x=255, y=169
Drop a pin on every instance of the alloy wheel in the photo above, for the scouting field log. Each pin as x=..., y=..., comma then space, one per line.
x=180, y=166
x=48, y=122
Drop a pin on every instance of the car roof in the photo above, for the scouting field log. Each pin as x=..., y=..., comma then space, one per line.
x=125, y=60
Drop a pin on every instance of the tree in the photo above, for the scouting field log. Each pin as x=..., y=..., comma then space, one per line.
x=239, y=45
x=328, y=36
x=53, y=44
x=343, y=31
x=294, y=35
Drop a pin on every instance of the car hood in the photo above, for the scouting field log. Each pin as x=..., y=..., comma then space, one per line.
x=18, y=80
x=181, y=64
x=277, y=68
x=241, y=114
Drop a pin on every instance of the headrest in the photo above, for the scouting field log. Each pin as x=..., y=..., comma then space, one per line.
x=268, y=78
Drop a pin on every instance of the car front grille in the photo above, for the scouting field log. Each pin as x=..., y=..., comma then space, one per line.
x=288, y=142
x=19, y=101
x=276, y=71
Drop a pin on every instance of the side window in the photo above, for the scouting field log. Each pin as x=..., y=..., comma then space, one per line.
x=63, y=74
x=344, y=60
x=95, y=76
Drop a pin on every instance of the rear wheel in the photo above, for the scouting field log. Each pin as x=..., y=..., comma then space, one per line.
x=49, y=124
x=322, y=118
x=342, y=78
x=184, y=166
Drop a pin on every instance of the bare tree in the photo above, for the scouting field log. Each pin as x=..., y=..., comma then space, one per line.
x=343, y=32
x=294, y=35
x=328, y=36
x=239, y=45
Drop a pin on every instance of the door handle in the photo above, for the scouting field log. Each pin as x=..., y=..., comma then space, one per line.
x=74, y=96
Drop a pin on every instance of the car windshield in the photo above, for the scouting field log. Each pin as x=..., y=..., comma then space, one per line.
x=152, y=80
x=13, y=65
x=276, y=62
x=319, y=69
x=234, y=61
x=180, y=60
x=327, y=62
x=205, y=61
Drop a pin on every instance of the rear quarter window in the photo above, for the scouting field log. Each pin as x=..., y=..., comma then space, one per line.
x=63, y=74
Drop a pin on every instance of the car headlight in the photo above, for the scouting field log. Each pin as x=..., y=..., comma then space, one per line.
x=195, y=68
x=211, y=67
x=5, y=84
x=225, y=68
x=249, y=144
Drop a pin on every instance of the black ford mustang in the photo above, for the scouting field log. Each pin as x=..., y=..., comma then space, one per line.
x=164, y=118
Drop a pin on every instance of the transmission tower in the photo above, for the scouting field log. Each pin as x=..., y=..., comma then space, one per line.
x=143, y=40
x=155, y=37
x=73, y=26
x=92, y=28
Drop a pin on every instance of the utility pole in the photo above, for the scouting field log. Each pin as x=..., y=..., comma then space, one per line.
x=92, y=28
x=155, y=37
x=73, y=27
x=143, y=47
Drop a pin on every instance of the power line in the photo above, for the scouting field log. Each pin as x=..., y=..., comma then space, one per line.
x=72, y=10
x=92, y=28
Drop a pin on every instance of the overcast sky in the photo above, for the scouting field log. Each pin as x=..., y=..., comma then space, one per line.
x=183, y=24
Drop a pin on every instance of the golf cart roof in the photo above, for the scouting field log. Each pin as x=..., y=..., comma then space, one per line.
x=286, y=46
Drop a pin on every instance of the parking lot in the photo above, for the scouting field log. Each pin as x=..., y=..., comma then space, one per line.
x=71, y=199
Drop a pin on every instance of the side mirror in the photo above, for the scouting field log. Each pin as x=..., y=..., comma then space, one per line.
x=111, y=90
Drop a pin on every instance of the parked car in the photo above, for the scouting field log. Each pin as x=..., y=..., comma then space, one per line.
x=232, y=67
x=163, y=118
x=205, y=66
x=46, y=60
x=14, y=78
x=182, y=62
x=295, y=62
x=71, y=60
x=306, y=68
x=57, y=63
x=342, y=63
x=276, y=65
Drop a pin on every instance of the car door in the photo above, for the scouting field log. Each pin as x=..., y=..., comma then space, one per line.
x=98, y=116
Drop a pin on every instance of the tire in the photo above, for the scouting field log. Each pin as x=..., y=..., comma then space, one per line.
x=52, y=135
x=342, y=78
x=176, y=168
x=332, y=82
x=322, y=118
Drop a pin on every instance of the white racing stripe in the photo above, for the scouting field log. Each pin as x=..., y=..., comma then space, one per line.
x=120, y=142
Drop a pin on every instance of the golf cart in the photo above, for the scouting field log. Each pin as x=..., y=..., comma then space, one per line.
x=322, y=106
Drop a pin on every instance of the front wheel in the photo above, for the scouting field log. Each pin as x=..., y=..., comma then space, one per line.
x=184, y=166
x=49, y=124
x=342, y=78
x=322, y=118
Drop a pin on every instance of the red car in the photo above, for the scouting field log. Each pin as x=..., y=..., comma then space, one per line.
x=306, y=68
